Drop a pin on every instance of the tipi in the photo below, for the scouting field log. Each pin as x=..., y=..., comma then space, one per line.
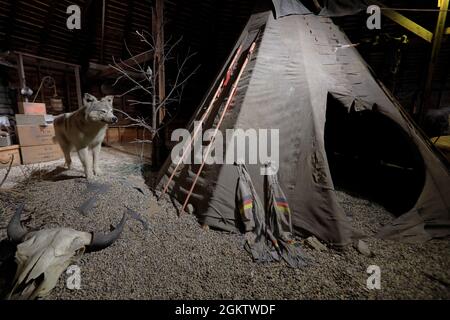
x=307, y=80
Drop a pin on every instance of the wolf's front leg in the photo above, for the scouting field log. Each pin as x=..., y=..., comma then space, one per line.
x=86, y=160
x=96, y=153
x=66, y=150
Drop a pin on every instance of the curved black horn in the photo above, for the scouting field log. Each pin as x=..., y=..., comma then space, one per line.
x=102, y=241
x=15, y=230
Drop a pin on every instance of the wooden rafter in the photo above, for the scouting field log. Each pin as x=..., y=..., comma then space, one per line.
x=78, y=86
x=102, y=41
x=45, y=32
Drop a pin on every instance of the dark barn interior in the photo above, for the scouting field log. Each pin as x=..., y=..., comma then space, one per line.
x=366, y=175
x=209, y=29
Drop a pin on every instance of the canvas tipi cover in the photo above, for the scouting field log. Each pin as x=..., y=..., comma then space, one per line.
x=302, y=61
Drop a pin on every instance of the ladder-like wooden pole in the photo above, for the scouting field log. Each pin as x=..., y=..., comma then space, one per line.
x=202, y=120
x=222, y=116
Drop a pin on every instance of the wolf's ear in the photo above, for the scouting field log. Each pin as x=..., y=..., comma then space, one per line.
x=88, y=100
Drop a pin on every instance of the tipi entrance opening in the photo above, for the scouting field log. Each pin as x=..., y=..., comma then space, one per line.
x=371, y=156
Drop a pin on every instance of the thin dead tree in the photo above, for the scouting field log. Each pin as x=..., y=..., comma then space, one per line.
x=144, y=83
x=8, y=170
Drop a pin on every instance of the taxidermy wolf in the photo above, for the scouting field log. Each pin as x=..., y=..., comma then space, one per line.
x=84, y=131
x=43, y=255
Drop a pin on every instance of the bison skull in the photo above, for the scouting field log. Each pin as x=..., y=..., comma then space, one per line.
x=43, y=255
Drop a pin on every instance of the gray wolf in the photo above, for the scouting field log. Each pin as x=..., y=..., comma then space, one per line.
x=84, y=131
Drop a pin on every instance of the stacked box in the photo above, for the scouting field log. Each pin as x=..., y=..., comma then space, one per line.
x=36, y=135
x=31, y=108
x=7, y=154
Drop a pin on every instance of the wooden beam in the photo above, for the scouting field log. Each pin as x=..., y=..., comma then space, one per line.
x=78, y=86
x=68, y=93
x=39, y=74
x=437, y=44
x=158, y=35
x=21, y=71
x=38, y=58
x=102, y=43
x=405, y=22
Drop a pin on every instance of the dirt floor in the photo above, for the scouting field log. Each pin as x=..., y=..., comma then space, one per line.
x=161, y=256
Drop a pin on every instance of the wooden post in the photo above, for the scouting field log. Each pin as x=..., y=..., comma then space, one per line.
x=158, y=36
x=68, y=106
x=39, y=73
x=78, y=86
x=159, y=67
x=21, y=70
x=102, y=43
x=437, y=43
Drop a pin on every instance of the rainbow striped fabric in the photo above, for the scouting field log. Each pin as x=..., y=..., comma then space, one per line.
x=247, y=203
x=282, y=205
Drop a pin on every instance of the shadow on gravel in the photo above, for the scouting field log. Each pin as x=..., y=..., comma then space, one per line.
x=57, y=174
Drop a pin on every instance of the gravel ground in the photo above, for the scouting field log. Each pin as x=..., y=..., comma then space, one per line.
x=176, y=259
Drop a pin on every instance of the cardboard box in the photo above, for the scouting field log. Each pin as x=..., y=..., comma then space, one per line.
x=36, y=120
x=37, y=154
x=32, y=108
x=35, y=135
x=6, y=153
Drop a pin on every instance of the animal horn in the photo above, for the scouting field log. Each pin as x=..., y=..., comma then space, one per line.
x=15, y=230
x=102, y=241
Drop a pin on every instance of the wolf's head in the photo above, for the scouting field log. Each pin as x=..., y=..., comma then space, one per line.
x=99, y=111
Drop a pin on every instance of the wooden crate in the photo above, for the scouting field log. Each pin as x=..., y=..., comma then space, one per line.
x=32, y=108
x=33, y=135
x=112, y=135
x=6, y=153
x=115, y=135
x=38, y=154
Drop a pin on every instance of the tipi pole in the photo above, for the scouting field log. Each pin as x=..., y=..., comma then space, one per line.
x=222, y=116
x=208, y=110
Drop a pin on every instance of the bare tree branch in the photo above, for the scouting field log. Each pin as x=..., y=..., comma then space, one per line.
x=7, y=170
x=146, y=80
